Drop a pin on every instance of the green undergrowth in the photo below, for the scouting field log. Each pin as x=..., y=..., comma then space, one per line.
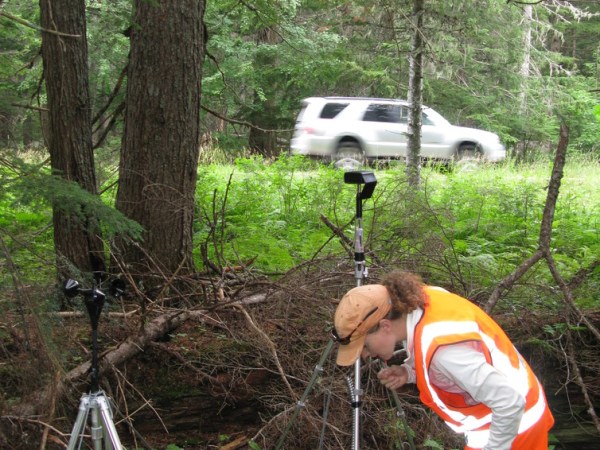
x=269, y=213
x=491, y=221
x=465, y=230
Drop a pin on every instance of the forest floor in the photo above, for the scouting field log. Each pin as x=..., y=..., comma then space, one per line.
x=185, y=416
x=214, y=381
x=572, y=430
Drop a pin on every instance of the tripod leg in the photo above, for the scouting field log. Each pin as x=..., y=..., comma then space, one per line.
x=112, y=441
x=302, y=402
x=96, y=428
x=325, y=415
x=78, y=427
x=356, y=405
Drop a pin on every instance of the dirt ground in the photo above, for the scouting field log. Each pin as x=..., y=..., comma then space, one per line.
x=215, y=380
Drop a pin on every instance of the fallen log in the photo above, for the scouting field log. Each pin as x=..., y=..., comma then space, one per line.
x=154, y=330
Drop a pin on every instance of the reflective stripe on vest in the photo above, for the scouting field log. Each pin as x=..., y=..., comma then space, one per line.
x=518, y=376
x=478, y=438
x=450, y=319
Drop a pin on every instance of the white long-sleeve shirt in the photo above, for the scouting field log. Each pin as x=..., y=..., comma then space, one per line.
x=462, y=369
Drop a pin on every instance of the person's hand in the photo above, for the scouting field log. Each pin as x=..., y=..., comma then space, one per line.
x=393, y=377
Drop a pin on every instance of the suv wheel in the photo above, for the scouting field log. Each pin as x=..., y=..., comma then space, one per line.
x=348, y=156
x=468, y=157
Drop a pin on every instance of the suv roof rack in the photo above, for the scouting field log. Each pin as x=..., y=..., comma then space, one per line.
x=334, y=97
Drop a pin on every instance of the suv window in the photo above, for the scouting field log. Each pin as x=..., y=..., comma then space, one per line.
x=426, y=120
x=330, y=110
x=405, y=114
x=382, y=112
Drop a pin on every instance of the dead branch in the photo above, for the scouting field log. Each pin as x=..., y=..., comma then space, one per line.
x=339, y=232
x=571, y=348
x=582, y=274
x=272, y=348
x=148, y=403
x=78, y=314
x=345, y=240
x=544, y=251
x=203, y=375
x=35, y=108
x=33, y=421
x=51, y=413
x=112, y=95
x=237, y=443
x=511, y=279
x=545, y=240
x=124, y=351
x=241, y=122
x=546, y=225
x=579, y=378
x=568, y=296
x=114, y=116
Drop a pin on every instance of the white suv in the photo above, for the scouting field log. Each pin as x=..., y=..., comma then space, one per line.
x=356, y=129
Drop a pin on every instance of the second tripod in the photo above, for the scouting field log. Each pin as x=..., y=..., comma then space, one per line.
x=94, y=407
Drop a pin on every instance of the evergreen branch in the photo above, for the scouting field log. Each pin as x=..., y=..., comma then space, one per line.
x=35, y=27
x=35, y=108
x=241, y=122
x=113, y=94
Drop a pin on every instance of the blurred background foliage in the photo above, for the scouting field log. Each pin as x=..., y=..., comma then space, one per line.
x=262, y=59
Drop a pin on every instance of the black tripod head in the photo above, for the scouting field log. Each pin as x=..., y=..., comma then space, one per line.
x=365, y=185
x=94, y=300
x=362, y=177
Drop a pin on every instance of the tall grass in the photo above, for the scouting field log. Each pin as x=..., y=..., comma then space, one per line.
x=463, y=230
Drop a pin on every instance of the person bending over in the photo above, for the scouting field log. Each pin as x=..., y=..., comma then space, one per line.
x=466, y=369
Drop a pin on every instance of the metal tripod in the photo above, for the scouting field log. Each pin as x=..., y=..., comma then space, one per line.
x=360, y=272
x=365, y=185
x=94, y=406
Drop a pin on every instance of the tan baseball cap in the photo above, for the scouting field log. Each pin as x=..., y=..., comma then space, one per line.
x=359, y=311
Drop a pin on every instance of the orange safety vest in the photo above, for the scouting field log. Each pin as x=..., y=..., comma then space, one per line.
x=450, y=319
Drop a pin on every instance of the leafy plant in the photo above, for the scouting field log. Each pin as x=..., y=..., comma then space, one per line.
x=253, y=445
x=466, y=229
x=431, y=443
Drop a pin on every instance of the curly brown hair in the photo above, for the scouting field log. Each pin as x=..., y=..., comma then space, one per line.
x=406, y=291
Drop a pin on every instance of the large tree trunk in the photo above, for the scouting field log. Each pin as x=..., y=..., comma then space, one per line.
x=78, y=245
x=521, y=147
x=160, y=147
x=415, y=96
x=526, y=63
x=261, y=139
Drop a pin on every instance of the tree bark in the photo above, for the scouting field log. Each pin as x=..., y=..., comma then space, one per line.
x=70, y=142
x=526, y=64
x=415, y=96
x=160, y=146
